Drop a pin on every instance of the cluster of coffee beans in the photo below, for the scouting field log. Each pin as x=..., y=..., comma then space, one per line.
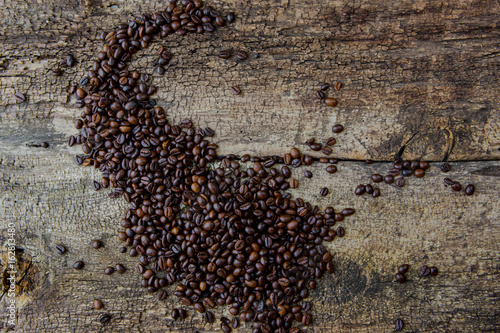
x=424, y=271
x=321, y=94
x=223, y=235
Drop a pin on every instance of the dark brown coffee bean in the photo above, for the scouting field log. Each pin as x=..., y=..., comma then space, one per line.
x=20, y=97
x=225, y=54
x=57, y=72
x=338, y=85
x=120, y=268
x=96, y=186
x=456, y=187
x=377, y=178
x=71, y=141
x=331, y=102
x=320, y=94
x=389, y=179
x=433, y=271
x=70, y=61
x=241, y=55
x=403, y=268
x=376, y=192
x=225, y=328
x=425, y=271
x=326, y=150
x=175, y=314
x=208, y=317
x=340, y=232
x=235, y=322
x=445, y=167
x=398, y=325
x=104, y=318
x=424, y=165
x=160, y=70
x=78, y=265
x=368, y=189
x=400, y=182
x=98, y=304
x=448, y=181
x=96, y=244
x=235, y=90
x=360, y=190
x=60, y=249
x=400, y=278
x=294, y=183
x=325, y=86
x=337, y=128
x=324, y=192
x=469, y=189
x=315, y=146
x=348, y=211
x=331, y=169
x=331, y=141
x=109, y=270
x=230, y=18
x=419, y=173
x=308, y=174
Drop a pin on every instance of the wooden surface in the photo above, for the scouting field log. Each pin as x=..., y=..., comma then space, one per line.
x=419, y=74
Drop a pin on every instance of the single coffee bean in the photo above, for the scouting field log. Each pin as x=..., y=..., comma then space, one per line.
x=96, y=186
x=348, y=211
x=315, y=146
x=331, y=169
x=226, y=329
x=57, y=72
x=60, y=249
x=456, y=187
x=294, y=183
x=235, y=322
x=123, y=249
x=360, y=190
x=376, y=192
x=98, y=304
x=424, y=165
x=70, y=61
x=78, y=265
x=324, y=192
x=398, y=325
x=84, y=81
x=433, y=271
x=389, y=179
x=235, y=90
x=419, y=173
x=326, y=150
x=337, y=128
x=377, y=178
x=338, y=85
x=71, y=141
x=340, y=232
x=120, y=268
x=225, y=54
x=425, y=271
x=208, y=317
x=295, y=153
x=469, y=189
x=448, y=181
x=407, y=173
x=230, y=18
x=103, y=319
x=400, y=182
x=331, y=102
x=161, y=295
x=96, y=244
x=331, y=141
x=241, y=55
x=310, y=141
x=445, y=167
x=20, y=97
x=325, y=86
x=175, y=314
x=320, y=94
x=369, y=189
x=109, y=270
x=400, y=278
x=403, y=268
x=160, y=70
x=308, y=174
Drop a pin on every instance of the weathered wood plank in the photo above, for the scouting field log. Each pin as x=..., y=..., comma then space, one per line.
x=423, y=223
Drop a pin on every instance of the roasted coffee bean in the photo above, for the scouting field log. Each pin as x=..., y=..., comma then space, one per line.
x=60, y=249
x=368, y=189
x=425, y=271
x=120, y=268
x=331, y=141
x=78, y=265
x=20, y=97
x=338, y=85
x=400, y=278
x=57, y=72
x=433, y=271
x=376, y=192
x=161, y=295
x=96, y=244
x=445, y=167
x=377, y=178
x=424, y=165
x=337, y=128
x=325, y=86
x=419, y=173
x=71, y=141
x=175, y=314
x=400, y=182
x=241, y=55
x=403, y=268
x=398, y=325
x=109, y=270
x=103, y=319
x=98, y=304
x=70, y=61
x=96, y=186
x=320, y=94
x=360, y=190
x=225, y=54
x=226, y=329
x=230, y=18
x=235, y=90
x=389, y=179
x=456, y=187
x=469, y=189
x=448, y=181
x=308, y=174
x=208, y=317
x=331, y=169
x=160, y=70
x=295, y=153
x=324, y=192
x=294, y=183
x=315, y=146
x=235, y=322
x=84, y=81
x=326, y=150
x=331, y=102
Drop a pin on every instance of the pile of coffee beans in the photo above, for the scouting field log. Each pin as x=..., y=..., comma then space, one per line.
x=222, y=232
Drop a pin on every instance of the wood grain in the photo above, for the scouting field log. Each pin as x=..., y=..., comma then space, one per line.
x=416, y=74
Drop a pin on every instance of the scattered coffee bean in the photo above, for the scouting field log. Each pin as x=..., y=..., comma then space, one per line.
x=235, y=90
x=331, y=169
x=338, y=85
x=70, y=61
x=120, y=268
x=320, y=94
x=57, y=72
x=96, y=244
x=331, y=102
x=400, y=182
x=208, y=317
x=377, y=178
x=376, y=192
x=241, y=55
x=400, y=278
x=398, y=325
x=360, y=190
x=456, y=187
x=225, y=54
x=96, y=186
x=324, y=192
x=331, y=141
x=103, y=319
x=78, y=265
x=326, y=150
x=419, y=173
x=20, y=97
x=160, y=70
x=109, y=270
x=403, y=268
x=230, y=18
x=433, y=271
x=469, y=189
x=60, y=249
x=308, y=174
x=369, y=189
x=98, y=304
x=448, y=181
x=425, y=271
x=337, y=128
x=445, y=167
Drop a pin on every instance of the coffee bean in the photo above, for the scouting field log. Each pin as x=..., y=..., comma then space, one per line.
x=109, y=270
x=368, y=189
x=241, y=55
x=348, y=211
x=424, y=165
x=20, y=97
x=448, y=181
x=331, y=102
x=398, y=325
x=324, y=192
x=433, y=271
x=208, y=317
x=338, y=85
x=98, y=304
x=325, y=86
x=326, y=150
x=78, y=265
x=96, y=244
x=294, y=183
x=400, y=278
x=403, y=268
x=419, y=173
x=70, y=61
x=123, y=249
x=103, y=319
x=315, y=146
x=160, y=70
x=225, y=328
x=360, y=190
x=57, y=72
x=331, y=169
x=377, y=178
x=337, y=128
x=376, y=192
x=389, y=179
x=175, y=314
x=456, y=187
x=400, y=182
x=230, y=18
x=96, y=186
x=469, y=189
x=225, y=54
x=445, y=167
x=235, y=90
x=331, y=141
x=235, y=322
x=308, y=174
x=425, y=271
x=120, y=268
x=320, y=94
x=295, y=153
x=60, y=249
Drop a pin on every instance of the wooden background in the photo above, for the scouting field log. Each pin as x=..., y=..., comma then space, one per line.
x=420, y=74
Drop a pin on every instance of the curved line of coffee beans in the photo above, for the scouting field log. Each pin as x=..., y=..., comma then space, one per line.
x=223, y=235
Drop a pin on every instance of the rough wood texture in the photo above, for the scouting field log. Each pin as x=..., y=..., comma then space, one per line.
x=419, y=70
